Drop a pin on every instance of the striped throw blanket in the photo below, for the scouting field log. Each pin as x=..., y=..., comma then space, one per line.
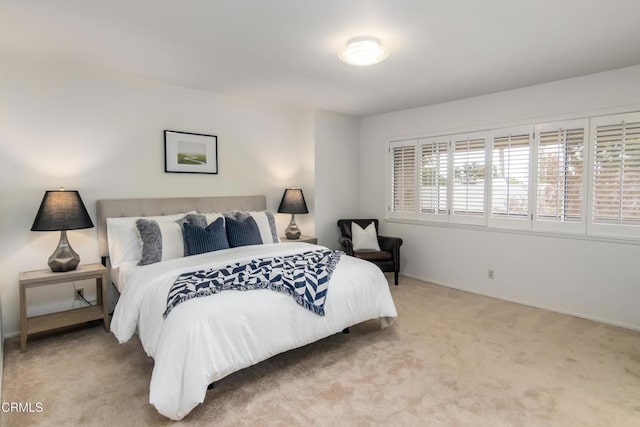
x=304, y=277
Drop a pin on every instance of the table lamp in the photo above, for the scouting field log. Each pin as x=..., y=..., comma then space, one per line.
x=293, y=203
x=61, y=211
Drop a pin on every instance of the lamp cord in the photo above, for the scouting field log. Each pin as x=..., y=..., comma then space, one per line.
x=79, y=294
x=85, y=300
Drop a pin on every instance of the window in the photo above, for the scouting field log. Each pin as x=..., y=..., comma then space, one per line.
x=560, y=177
x=576, y=176
x=434, y=169
x=616, y=175
x=468, y=181
x=403, y=176
x=510, y=178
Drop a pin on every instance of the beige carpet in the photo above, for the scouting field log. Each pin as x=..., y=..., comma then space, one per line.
x=452, y=359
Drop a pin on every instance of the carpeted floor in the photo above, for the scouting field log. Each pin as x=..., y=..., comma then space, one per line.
x=452, y=359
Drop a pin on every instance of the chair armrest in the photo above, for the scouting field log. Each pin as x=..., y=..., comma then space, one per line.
x=347, y=245
x=390, y=244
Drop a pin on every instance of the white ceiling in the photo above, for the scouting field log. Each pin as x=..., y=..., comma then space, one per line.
x=286, y=50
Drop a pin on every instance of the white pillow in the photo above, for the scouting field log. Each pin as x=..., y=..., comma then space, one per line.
x=124, y=240
x=266, y=225
x=364, y=240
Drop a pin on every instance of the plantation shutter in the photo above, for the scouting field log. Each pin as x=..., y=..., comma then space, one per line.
x=560, y=176
x=403, y=176
x=434, y=175
x=510, y=177
x=468, y=192
x=616, y=171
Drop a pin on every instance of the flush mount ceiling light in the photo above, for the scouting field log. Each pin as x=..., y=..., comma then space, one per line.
x=363, y=51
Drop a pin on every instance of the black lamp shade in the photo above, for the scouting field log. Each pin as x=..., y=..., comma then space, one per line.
x=61, y=210
x=293, y=202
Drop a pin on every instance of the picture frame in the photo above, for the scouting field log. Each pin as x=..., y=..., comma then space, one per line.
x=187, y=152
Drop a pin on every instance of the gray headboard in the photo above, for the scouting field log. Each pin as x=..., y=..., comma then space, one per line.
x=114, y=208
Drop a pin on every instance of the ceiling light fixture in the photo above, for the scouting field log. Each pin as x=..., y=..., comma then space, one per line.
x=362, y=51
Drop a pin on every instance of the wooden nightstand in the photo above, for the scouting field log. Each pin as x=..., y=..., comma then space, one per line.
x=303, y=238
x=48, y=322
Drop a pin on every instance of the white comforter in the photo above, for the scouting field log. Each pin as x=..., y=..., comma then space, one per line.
x=205, y=339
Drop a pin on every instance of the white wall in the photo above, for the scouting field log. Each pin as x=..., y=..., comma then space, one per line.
x=1, y=350
x=593, y=279
x=102, y=134
x=336, y=173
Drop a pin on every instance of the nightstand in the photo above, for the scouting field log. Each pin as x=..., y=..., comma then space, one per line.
x=48, y=322
x=303, y=239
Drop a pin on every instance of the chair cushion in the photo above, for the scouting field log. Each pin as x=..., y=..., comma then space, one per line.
x=374, y=255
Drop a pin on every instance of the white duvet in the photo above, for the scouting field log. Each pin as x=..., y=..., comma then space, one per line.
x=205, y=339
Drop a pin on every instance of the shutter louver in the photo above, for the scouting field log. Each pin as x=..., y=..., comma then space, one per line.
x=510, y=176
x=433, y=176
x=469, y=176
x=560, y=175
x=403, y=178
x=616, y=173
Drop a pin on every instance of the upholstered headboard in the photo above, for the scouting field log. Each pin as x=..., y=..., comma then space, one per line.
x=114, y=208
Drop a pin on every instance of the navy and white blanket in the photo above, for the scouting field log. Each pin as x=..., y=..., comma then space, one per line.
x=304, y=277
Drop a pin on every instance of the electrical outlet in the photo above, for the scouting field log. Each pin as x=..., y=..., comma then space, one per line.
x=78, y=294
x=491, y=275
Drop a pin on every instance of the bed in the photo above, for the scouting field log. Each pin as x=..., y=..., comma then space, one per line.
x=205, y=339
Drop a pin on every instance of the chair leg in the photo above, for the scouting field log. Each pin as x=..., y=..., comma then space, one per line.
x=395, y=274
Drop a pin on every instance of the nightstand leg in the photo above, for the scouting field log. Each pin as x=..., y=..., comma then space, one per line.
x=23, y=318
x=102, y=299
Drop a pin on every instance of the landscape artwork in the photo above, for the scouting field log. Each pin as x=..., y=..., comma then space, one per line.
x=186, y=152
x=192, y=153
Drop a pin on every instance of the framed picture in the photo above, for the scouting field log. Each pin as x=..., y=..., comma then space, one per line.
x=186, y=152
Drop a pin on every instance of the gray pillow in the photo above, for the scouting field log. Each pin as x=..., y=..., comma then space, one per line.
x=197, y=220
x=161, y=240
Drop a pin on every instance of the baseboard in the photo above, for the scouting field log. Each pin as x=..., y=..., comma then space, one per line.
x=529, y=304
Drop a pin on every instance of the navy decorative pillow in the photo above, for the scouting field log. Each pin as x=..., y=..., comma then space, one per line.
x=193, y=219
x=243, y=232
x=265, y=220
x=200, y=240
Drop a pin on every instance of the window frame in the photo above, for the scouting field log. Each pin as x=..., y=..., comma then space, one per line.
x=435, y=140
x=514, y=223
x=529, y=224
x=462, y=218
x=537, y=224
x=597, y=228
x=407, y=214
